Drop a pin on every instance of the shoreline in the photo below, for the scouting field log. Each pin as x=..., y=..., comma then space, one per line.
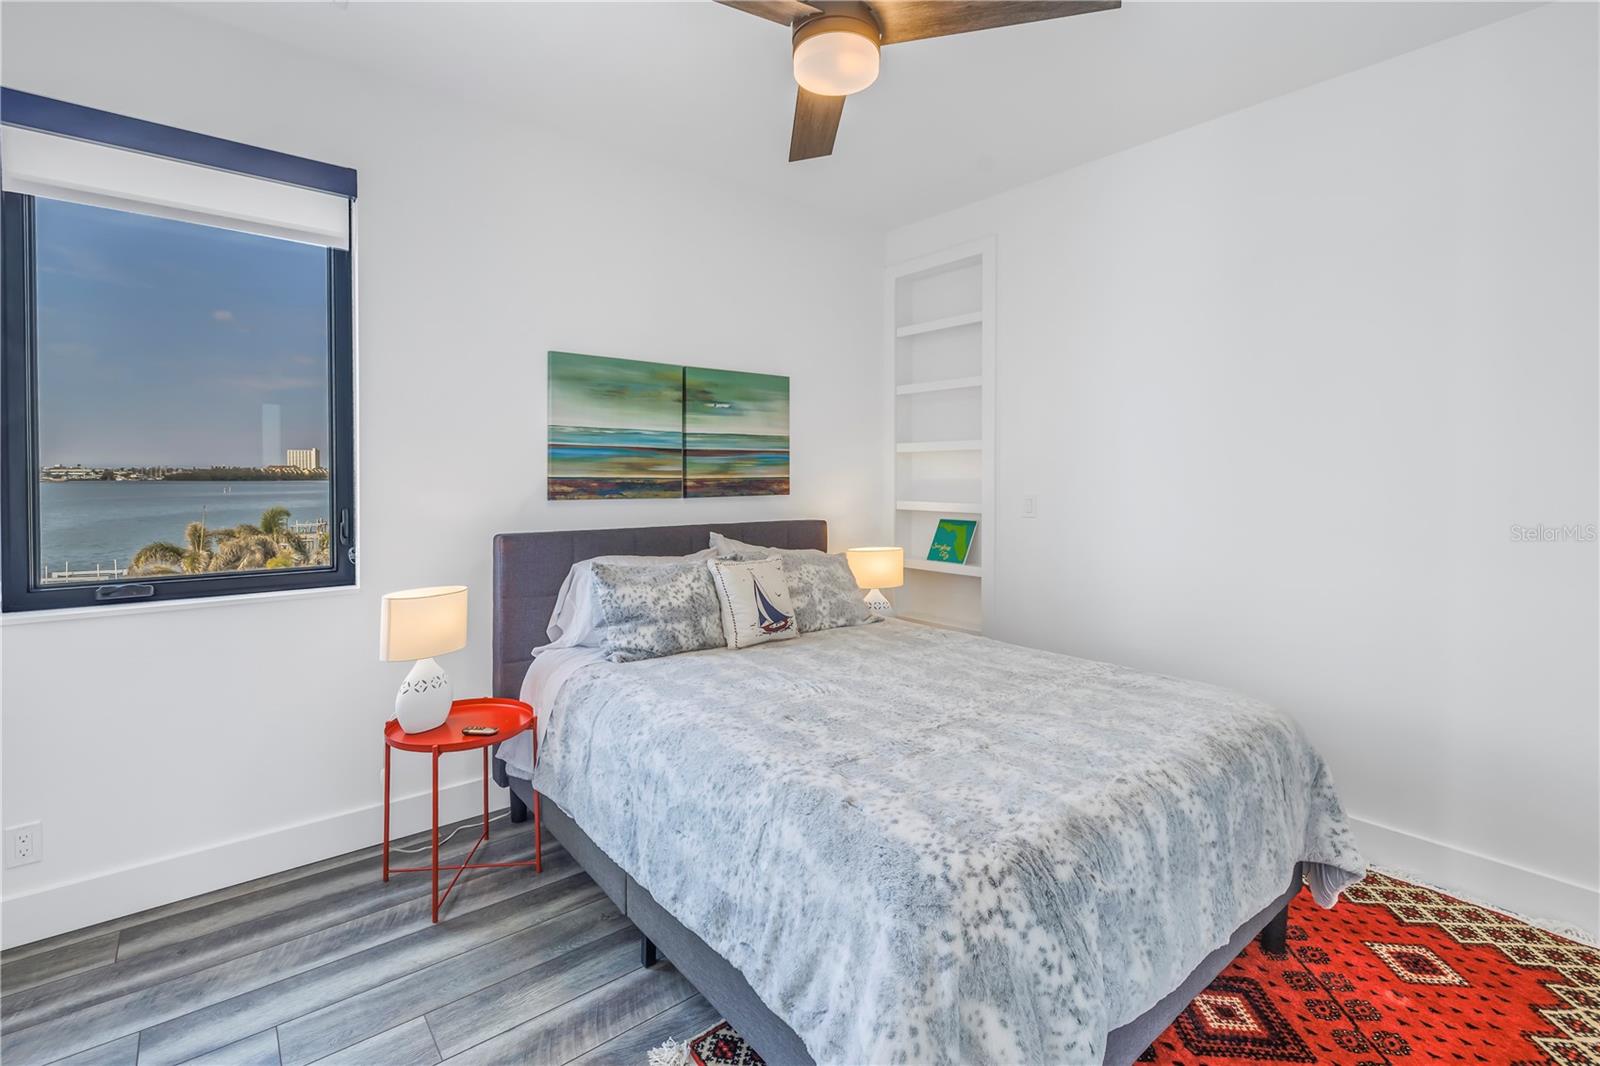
x=182, y=480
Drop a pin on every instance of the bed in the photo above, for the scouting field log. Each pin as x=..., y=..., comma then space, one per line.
x=984, y=942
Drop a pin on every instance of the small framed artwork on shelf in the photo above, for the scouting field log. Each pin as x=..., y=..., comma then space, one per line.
x=952, y=540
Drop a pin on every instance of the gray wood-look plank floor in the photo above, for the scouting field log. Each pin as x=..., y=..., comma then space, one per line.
x=326, y=963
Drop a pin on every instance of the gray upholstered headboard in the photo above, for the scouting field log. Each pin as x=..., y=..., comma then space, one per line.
x=529, y=569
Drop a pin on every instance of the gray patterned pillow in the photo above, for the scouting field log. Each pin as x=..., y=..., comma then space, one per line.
x=821, y=585
x=646, y=612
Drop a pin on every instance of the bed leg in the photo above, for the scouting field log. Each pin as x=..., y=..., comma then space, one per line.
x=519, y=810
x=647, y=952
x=1275, y=934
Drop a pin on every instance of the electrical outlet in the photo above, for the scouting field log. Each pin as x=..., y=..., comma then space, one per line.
x=24, y=844
x=1030, y=507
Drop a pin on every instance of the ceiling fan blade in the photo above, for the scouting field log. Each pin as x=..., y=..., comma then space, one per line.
x=916, y=20
x=784, y=12
x=816, y=122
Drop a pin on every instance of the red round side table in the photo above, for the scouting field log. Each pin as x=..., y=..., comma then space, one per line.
x=509, y=717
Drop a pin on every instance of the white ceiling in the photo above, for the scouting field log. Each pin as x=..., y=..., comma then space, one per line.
x=707, y=89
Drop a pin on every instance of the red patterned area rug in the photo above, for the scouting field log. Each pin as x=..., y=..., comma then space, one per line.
x=1395, y=974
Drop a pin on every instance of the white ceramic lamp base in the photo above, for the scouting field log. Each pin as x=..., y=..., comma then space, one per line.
x=424, y=699
x=878, y=603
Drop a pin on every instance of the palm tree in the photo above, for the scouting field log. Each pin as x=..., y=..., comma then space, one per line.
x=270, y=545
x=164, y=557
x=275, y=524
x=243, y=548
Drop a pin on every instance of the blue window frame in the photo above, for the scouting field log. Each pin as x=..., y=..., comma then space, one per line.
x=177, y=389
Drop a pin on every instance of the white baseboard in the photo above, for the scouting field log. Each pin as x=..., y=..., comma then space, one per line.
x=1530, y=893
x=69, y=905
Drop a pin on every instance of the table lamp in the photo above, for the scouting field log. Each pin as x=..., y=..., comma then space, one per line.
x=419, y=624
x=877, y=569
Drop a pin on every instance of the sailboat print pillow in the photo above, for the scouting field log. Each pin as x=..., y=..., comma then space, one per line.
x=756, y=606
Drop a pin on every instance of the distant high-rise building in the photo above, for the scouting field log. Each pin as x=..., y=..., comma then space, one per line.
x=304, y=458
x=271, y=433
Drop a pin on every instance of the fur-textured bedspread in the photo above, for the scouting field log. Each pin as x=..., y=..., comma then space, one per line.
x=923, y=846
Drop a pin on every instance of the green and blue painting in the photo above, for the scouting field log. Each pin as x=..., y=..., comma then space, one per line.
x=628, y=429
x=735, y=433
x=616, y=428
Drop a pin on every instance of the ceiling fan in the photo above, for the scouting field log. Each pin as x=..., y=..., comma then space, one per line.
x=836, y=45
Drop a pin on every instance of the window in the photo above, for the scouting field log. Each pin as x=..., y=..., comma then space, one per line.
x=177, y=363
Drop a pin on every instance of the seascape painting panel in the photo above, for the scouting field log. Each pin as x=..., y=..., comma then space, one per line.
x=736, y=433
x=616, y=428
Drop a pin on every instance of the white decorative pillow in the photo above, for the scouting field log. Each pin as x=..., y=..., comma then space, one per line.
x=756, y=606
x=824, y=589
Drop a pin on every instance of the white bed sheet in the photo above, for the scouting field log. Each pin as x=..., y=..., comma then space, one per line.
x=552, y=668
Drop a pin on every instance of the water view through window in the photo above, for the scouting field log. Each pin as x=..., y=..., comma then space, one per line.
x=183, y=412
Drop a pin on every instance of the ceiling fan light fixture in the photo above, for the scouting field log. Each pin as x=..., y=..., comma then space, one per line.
x=835, y=55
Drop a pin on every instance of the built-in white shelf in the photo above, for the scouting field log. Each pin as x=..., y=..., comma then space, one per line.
x=933, y=567
x=970, y=319
x=937, y=505
x=939, y=371
x=905, y=447
x=939, y=386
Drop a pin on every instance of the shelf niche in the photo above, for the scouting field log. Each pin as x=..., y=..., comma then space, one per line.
x=941, y=358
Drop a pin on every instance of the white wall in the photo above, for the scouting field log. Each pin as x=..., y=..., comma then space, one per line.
x=170, y=752
x=1282, y=383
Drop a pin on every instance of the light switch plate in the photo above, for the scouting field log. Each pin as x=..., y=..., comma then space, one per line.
x=1030, y=507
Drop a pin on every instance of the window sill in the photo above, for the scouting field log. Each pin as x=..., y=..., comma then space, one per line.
x=67, y=614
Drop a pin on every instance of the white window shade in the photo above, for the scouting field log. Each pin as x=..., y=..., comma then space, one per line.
x=60, y=168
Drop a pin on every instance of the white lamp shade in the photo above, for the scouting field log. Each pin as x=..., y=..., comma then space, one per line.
x=877, y=568
x=422, y=623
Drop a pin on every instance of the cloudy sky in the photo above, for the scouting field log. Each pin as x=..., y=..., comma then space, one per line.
x=160, y=342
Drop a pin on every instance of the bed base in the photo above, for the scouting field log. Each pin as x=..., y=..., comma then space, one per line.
x=663, y=936
x=1275, y=934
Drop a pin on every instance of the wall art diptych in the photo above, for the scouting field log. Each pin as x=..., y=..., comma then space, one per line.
x=629, y=429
